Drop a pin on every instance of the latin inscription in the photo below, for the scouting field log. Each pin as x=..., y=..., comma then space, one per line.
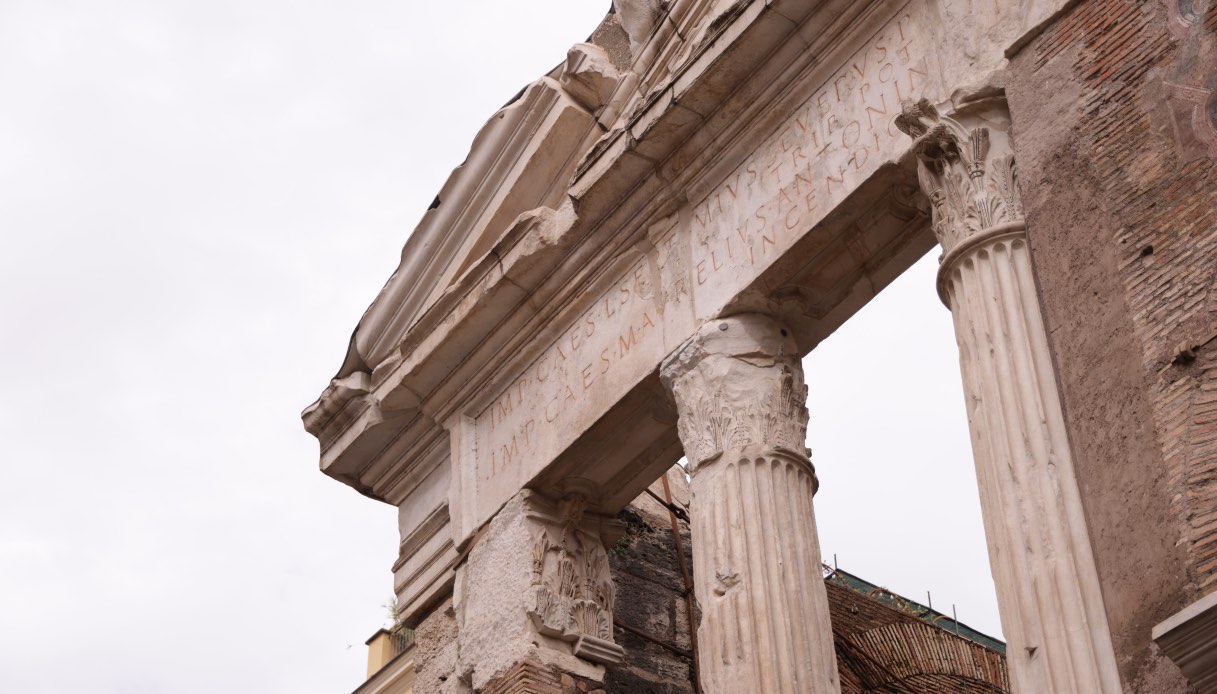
x=557, y=385
x=831, y=144
x=824, y=151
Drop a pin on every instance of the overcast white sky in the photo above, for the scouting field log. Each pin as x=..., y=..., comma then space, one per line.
x=197, y=201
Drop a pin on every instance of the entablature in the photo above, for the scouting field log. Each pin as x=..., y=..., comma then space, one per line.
x=753, y=164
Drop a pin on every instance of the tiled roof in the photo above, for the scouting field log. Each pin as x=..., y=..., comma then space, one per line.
x=887, y=643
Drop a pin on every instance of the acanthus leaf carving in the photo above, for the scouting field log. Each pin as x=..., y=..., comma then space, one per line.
x=733, y=402
x=572, y=587
x=966, y=168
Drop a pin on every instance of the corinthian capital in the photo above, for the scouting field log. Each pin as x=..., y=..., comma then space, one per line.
x=738, y=385
x=965, y=166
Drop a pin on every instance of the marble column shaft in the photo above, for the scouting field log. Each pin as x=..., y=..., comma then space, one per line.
x=765, y=627
x=1048, y=589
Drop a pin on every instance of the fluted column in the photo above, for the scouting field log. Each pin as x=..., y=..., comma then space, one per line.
x=1048, y=588
x=765, y=628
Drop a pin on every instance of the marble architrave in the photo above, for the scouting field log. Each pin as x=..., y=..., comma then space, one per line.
x=690, y=263
x=687, y=265
x=741, y=154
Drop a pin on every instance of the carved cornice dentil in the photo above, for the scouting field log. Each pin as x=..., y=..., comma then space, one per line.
x=965, y=166
x=738, y=386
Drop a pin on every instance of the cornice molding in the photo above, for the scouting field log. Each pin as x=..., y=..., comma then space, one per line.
x=516, y=280
x=520, y=159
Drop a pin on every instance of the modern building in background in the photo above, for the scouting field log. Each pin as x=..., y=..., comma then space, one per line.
x=642, y=245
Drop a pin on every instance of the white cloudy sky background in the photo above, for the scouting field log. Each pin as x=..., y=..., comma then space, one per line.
x=197, y=201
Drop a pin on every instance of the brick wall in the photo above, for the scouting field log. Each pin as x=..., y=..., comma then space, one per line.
x=530, y=677
x=1115, y=132
x=652, y=615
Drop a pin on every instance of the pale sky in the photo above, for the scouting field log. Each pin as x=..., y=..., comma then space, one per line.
x=197, y=202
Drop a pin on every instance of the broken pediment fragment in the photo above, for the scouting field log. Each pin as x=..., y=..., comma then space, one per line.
x=638, y=18
x=589, y=76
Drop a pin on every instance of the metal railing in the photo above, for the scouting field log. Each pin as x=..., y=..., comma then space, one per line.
x=400, y=640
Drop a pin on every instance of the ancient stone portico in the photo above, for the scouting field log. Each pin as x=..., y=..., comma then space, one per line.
x=642, y=245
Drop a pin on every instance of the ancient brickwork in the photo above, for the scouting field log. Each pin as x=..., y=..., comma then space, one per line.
x=1115, y=106
x=651, y=614
x=530, y=677
x=1168, y=236
x=879, y=649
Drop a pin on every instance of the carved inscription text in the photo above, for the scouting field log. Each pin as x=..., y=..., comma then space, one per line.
x=832, y=143
x=825, y=150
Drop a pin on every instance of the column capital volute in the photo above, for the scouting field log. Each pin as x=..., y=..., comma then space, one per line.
x=966, y=167
x=738, y=386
